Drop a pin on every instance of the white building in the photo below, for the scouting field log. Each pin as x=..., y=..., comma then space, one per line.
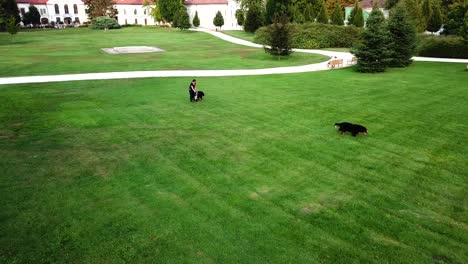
x=207, y=10
x=131, y=11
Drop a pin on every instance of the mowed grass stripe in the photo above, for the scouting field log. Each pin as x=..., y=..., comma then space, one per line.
x=128, y=170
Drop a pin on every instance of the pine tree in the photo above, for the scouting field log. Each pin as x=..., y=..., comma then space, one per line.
x=402, y=37
x=337, y=16
x=9, y=9
x=240, y=17
x=218, y=21
x=196, y=20
x=435, y=20
x=415, y=12
x=323, y=14
x=426, y=8
x=309, y=15
x=181, y=19
x=372, y=52
x=353, y=13
x=359, y=18
x=32, y=16
x=253, y=20
x=464, y=30
x=11, y=26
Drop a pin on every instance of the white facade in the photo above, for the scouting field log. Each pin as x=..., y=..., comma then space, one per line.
x=66, y=11
x=207, y=13
x=134, y=14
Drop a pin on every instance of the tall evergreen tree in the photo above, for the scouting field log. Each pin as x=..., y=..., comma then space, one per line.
x=196, y=20
x=353, y=13
x=415, y=12
x=8, y=9
x=218, y=20
x=359, y=18
x=253, y=19
x=323, y=14
x=464, y=30
x=426, y=8
x=181, y=19
x=277, y=8
x=435, y=20
x=402, y=37
x=337, y=16
x=32, y=16
x=389, y=4
x=309, y=15
x=12, y=26
x=240, y=17
x=372, y=52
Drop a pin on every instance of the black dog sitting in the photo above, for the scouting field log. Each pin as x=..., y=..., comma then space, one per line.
x=353, y=128
x=199, y=96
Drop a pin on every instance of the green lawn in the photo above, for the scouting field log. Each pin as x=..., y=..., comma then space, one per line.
x=79, y=51
x=130, y=171
x=240, y=34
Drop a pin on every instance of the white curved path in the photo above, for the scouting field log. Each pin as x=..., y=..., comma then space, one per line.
x=203, y=73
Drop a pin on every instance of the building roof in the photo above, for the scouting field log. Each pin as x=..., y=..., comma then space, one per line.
x=35, y=2
x=205, y=2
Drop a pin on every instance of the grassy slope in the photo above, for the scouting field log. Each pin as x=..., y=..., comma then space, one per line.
x=128, y=170
x=79, y=51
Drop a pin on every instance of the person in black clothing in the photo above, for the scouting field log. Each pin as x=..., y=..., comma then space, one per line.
x=193, y=90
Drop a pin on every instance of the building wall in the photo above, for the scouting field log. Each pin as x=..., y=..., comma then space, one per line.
x=134, y=14
x=207, y=13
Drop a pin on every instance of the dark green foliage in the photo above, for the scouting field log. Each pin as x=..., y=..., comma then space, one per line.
x=104, y=22
x=279, y=38
x=356, y=17
x=435, y=19
x=337, y=16
x=309, y=15
x=253, y=20
x=372, y=52
x=464, y=31
x=322, y=16
x=8, y=9
x=32, y=16
x=455, y=19
x=442, y=47
x=240, y=17
x=182, y=19
x=414, y=9
x=402, y=37
x=353, y=12
x=11, y=26
x=275, y=8
x=169, y=8
x=389, y=4
x=196, y=20
x=218, y=20
x=426, y=8
x=316, y=36
x=297, y=15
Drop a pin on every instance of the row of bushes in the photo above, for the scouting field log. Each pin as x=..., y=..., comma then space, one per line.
x=442, y=47
x=316, y=36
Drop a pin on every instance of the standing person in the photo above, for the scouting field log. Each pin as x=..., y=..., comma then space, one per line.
x=193, y=90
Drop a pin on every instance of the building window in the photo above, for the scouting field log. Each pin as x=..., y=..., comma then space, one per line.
x=136, y=21
x=146, y=22
x=135, y=12
x=57, y=11
x=77, y=20
x=126, y=22
x=57, y=19
x=75, y=9
x=43, y=11
x=66, y=9
x=22, y=11
x=144, y=12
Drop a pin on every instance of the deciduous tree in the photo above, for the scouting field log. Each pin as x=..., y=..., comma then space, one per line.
x=32, y=16
x=99, y=8
x=169, y=9
x=8, y=9
x=253, y=19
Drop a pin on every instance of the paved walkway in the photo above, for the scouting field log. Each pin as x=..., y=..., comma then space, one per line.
x=203, y=73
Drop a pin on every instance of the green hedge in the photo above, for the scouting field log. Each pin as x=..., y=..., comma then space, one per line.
x=442, y=47
x=316, y=36
x=102, y=22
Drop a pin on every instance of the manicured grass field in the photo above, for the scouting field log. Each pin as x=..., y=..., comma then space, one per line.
x=79, y=51
x=130, y=171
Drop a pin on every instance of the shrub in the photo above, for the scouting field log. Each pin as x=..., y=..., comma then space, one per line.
x=240, y=16
x=218, y=21
x=196, y=20
x=181, y=19
x=315, y=36
x=104, y=22
x=442, y=47
x=279, y=38
x=253, y=19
